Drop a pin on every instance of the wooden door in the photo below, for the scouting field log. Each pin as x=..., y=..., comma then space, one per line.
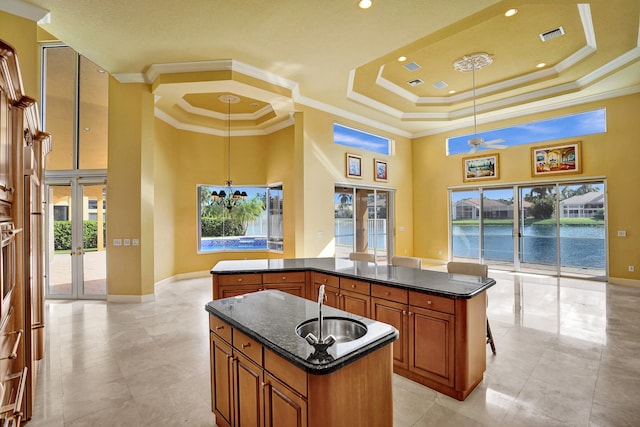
x=394, y=314
x=248, y=392
x=283, y=407
x=431, y=344
x=221, y=381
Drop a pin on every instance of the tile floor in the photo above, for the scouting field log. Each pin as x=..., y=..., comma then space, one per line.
x=567, y=355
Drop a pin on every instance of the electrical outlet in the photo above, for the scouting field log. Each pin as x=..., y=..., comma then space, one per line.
x=631, y=269
x=622, y=233
x=135, y=242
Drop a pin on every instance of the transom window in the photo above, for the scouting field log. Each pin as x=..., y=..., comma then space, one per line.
x=350, y=137
x=586, y=123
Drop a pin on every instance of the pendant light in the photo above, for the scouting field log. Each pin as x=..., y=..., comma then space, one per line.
x=227, y=197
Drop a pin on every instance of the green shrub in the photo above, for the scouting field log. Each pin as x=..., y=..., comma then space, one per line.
x=62, y=235
x=214, y=227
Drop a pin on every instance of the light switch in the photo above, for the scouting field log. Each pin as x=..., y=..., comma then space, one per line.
x=622, y=233
x=135, y=242
x=127, y=242
x=117, y=242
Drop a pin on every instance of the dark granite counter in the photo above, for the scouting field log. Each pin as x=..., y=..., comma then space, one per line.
x=434, y=282
x=270, y=317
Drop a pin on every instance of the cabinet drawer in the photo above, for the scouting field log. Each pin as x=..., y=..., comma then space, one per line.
x=245, y=279
x=355, y=286
x=326, y=279
x=220, y=328
x=432, y=302
x=248, y=346
x=390, y=293
x=286, y=372
x=284, y=277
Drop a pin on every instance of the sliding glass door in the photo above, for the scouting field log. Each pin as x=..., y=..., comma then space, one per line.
x=552, y=228
x=363, y=218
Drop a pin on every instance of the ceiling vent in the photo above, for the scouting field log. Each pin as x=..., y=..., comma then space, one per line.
x=412, y=66
x=414, y=83
x=440, y=85
x=552, y=34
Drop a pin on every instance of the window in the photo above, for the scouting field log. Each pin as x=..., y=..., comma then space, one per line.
x=545, y=130
x=350, y=137
x=253, y=224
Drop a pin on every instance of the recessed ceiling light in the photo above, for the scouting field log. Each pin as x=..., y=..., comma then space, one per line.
x=402, y=58
x=541, y=65
x=254, y=104
x=87, y=129
x=364, y=4
x=510, y=12
x=451, y=92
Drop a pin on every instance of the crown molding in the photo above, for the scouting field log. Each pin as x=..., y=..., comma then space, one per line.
x=26, y=10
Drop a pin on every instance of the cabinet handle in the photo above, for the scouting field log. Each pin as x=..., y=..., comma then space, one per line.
x=410, y=314
x=353, y=286
x=240, y=279
x=387, y=293
x=429, y=302
x=219, y=327
x=247, y=345
x=404, y=313
x=284, y=277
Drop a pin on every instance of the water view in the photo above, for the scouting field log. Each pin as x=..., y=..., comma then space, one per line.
x=581, y=246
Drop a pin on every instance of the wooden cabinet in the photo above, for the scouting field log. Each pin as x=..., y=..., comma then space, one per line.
x=290, y=282
x=242, y=392
x=390, y=305
x=431, y=344
x=283, y=406
x=253, y=386
x=345, y=294
x=231, y=285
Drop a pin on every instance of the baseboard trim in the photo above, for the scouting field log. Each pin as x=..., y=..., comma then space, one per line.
x=623, y=281
x=192, y=275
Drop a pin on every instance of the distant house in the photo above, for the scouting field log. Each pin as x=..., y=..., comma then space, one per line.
x=582, y=206
x=493, y=209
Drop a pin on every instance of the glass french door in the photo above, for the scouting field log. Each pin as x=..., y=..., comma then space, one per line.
x=76, y=239
x=551, y=228
x=363, y=218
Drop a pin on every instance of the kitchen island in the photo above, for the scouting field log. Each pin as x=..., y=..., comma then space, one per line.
x=441, y=317
x=263, y=373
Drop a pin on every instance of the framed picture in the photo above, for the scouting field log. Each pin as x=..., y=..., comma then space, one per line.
x=480, y=167
x=354, y=166
x=556, y=159
x=380, y=169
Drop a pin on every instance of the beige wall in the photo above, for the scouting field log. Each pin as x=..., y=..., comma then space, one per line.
x=22, y=35
x=613, y=155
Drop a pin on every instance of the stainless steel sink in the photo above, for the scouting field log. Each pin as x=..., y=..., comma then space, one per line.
x=341, y=328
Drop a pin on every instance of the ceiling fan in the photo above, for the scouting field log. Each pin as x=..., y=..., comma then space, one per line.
x=474, y=62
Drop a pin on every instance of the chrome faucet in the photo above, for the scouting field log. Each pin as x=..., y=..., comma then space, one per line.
x=321, y=298
x=320, y=343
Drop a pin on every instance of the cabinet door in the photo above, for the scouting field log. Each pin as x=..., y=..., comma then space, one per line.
x=355, y=303
x=431, y=344
x=296, y=289
x=221, y=381
x=332, y=295
x=283, y=407
x=248, y=392
x=227, y=291
x=394, y=314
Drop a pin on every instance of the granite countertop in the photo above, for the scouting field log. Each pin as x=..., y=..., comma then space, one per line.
x=270, y=317
x=434, y=282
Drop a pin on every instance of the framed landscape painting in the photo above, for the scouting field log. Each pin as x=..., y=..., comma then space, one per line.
x=556, y=159
x=381, y=170
x=478, y=168
x=354, y=166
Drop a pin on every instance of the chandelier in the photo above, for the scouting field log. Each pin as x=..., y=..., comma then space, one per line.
x=227, y=197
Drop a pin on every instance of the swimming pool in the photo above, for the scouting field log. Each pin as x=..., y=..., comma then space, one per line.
x=235, y=242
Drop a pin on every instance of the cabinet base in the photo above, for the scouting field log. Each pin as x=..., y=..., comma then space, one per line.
x=439, y=387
